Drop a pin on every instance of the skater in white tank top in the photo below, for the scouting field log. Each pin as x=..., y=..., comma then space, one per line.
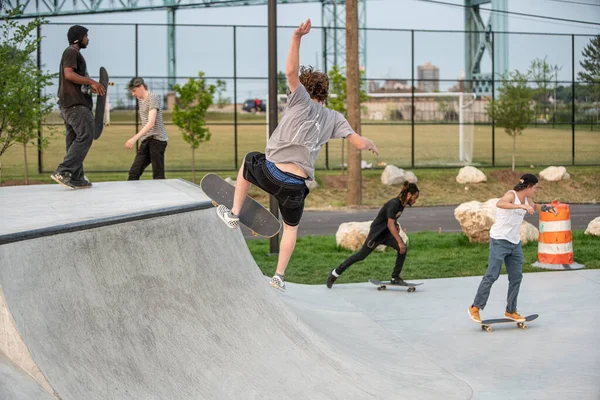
x=505, y=246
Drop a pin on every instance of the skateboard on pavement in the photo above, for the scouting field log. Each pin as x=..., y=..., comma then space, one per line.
x=383, y=285
x=486, y=324
x=254, y=216
x=101, y=104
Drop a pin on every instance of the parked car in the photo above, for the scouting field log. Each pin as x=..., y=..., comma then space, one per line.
x=251, y=106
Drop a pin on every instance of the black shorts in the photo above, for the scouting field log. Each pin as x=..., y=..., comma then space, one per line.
x=290, y=196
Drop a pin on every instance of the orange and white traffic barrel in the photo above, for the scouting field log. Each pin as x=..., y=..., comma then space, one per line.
x=555, y=243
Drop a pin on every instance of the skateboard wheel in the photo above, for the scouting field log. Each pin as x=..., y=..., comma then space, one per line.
x=488, y=329
x=524, y=326
x=383, y=287
x=379, y=288
x=412, y=289
x=483, y=327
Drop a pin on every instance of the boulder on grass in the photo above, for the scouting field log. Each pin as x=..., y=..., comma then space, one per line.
x=593, y=227
x=352, y=235
x=554, y=174
x=470, y=174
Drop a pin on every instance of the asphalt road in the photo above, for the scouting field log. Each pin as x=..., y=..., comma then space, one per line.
x=420, y=219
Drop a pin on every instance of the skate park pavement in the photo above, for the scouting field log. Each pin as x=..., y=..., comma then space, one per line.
x=136, y=290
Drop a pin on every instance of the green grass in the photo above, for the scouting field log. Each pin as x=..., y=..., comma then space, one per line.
x=430, y=255
x=435, y=145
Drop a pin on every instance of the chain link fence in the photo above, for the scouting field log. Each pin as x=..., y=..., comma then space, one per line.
x=411, y=128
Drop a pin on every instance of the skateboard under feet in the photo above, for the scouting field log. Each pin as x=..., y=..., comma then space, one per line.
x=383, y=285
x=486, y=325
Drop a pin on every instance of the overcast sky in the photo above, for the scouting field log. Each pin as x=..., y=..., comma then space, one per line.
x=388, y=52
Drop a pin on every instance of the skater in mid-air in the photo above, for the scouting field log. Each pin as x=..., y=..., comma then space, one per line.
x=292, y=149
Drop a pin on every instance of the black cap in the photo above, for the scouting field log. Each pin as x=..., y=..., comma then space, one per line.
x=76, y=33
x=136, y=82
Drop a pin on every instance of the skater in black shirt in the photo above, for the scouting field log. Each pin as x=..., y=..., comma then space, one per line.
x=384, y=231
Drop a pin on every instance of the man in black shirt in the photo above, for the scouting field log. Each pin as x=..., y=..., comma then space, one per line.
x=384, y=230
x=75, y=100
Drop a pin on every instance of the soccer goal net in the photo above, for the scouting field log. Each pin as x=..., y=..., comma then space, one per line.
x=450, y=108
x=453, y=109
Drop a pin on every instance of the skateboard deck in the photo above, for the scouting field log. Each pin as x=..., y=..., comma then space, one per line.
x=101, y=104
x=486, y=324
x=254, y=216
x=383, y=285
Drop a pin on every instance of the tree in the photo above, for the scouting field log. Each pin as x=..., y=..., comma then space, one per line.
x=446, y=106
x=591, y=68
x=189, y=113
x=281, y=83
x=22, y=106
x=541, y=73
x=513, y=109
x=338, y=94
x=221, y=100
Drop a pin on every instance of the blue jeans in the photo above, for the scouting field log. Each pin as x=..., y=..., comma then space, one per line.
x=512, y=256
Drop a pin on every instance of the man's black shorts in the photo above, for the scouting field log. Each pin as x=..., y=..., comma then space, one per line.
x=290, y=196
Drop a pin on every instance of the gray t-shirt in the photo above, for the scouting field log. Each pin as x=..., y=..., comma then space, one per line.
x=158, y=131
x=304, y=128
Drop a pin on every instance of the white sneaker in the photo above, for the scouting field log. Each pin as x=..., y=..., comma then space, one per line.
x=225, y=215
x=278, y=283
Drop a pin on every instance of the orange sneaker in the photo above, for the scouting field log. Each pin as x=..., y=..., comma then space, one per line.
x=514, y=316
x=474, y=314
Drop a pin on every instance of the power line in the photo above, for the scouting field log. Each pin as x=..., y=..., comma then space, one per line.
x=513, y=13
x=576, y=2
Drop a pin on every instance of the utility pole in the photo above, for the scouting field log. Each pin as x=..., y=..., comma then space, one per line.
x=272, y=38
x=354, y=195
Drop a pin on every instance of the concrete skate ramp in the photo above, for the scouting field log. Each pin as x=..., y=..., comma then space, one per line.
x=144, y=303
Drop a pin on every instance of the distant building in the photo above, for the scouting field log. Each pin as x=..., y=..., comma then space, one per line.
x=389, y=86
x=429, y=77
x=460, y=86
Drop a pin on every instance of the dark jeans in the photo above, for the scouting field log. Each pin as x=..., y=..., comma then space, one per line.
x=79, y=123
x=290, y=197
x=151, y=151
x=512, y=256
x=367, y=248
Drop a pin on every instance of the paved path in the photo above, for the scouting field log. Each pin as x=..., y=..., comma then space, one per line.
x=420, y=219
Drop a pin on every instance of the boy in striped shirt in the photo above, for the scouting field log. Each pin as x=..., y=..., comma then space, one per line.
x=153, y=133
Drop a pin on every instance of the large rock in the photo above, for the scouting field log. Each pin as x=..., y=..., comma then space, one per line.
x=470, y=174
x=393, y=175
x=554, y=174
x=231, y=181
x=529, y=233
x=411, y=177
x=365, y=165
x=312, y=184
x=352, y=235
x=477, y=218
x=593, y=227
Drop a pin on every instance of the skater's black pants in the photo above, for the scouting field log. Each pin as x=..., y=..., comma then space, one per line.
x=79, y=125
x=367, y=248
x=151, y=151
